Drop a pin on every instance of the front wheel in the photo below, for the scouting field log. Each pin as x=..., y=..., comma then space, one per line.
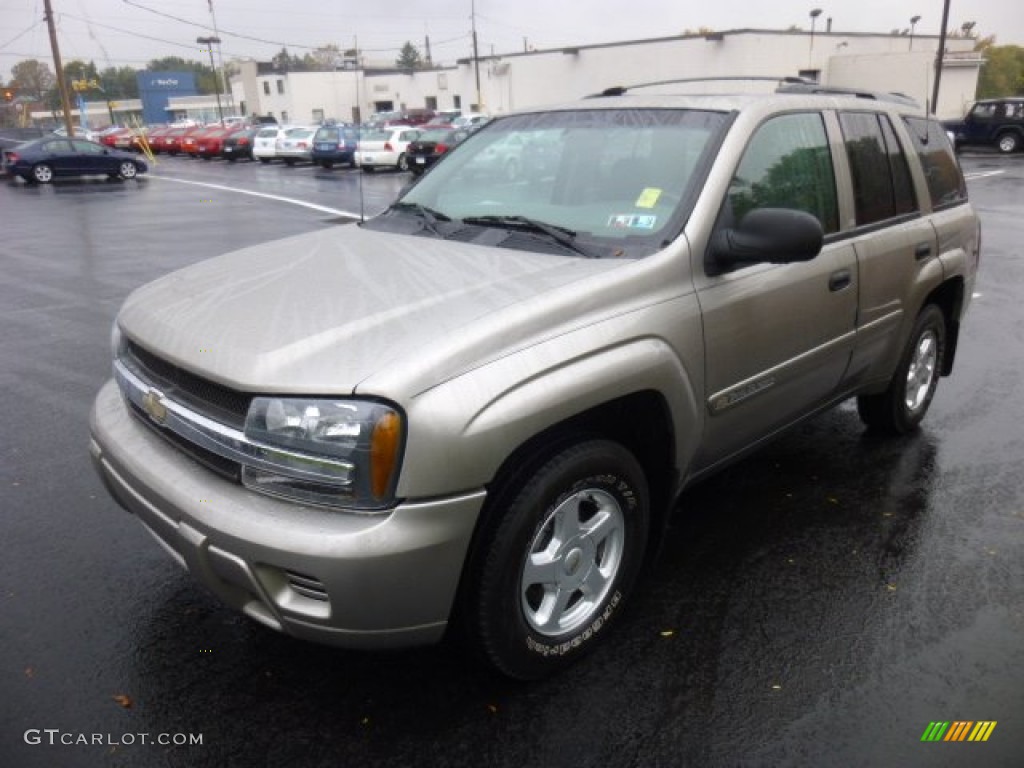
x=264, y=160
x=42, y=173
x=558, y=567
x=127, y=170
x=901, y=407
x=403, y=163
x=1008, y=143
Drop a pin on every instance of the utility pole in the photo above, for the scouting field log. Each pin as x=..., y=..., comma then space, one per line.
x=940, y=55
x=476, y=58
x=65, y=101
x=220, y=57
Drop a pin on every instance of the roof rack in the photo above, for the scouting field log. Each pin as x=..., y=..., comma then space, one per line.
x=809, y=86
x=619, y=90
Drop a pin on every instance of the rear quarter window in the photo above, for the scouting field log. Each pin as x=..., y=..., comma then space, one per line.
x=946, y=184
x=881, y=179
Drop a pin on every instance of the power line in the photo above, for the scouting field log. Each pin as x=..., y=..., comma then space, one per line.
x=22, y=33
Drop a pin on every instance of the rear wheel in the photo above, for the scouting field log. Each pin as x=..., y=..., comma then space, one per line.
x=264, y=160
x=1008, y=143
x=900, y=409
x=368, y=168
x=127, y=170
x=560, y=562
x=403, y=163
x=42, y=173
x=327, y=164
x=289, y=161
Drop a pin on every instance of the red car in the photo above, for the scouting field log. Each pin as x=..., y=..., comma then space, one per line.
x=210, y=143
x=188, y=141
x=170, y=142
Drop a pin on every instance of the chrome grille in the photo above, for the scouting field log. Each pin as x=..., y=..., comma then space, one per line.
x=307, y=586
x=215, y=401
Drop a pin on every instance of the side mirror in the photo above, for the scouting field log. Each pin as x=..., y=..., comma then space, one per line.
x=772, y=235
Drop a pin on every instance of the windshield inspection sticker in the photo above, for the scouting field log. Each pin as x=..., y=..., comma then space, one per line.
x=648, y=198
x=632, y=221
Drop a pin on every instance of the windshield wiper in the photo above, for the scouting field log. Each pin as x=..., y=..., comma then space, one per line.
x=561, y=235
x=429, y=216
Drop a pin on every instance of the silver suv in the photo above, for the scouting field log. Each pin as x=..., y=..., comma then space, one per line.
x=479, y=407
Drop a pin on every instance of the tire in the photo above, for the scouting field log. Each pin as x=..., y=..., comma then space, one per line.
x=232, y=159
x=289, y=161
x=127, y=170
x=264, y=160
x=900, y=409
x=368, y=168
x=327, y=164
x=559, y=562
x=42, y=173
x=403, y=163
x=1008, y=143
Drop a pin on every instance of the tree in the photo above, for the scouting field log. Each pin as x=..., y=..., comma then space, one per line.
x=326, y=58
x=285, y=62
x=120, y=82
x=33, y=77
x=409, y=57
x=1003, y=71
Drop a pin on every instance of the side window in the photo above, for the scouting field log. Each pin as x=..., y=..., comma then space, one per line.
x=946, y=184
x=881, y=182
x=787, y=164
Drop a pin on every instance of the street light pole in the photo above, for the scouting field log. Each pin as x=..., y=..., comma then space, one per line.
x=913, y=23
x=209, y=42
x=815, y=13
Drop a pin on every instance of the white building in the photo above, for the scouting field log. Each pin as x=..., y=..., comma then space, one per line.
x=881, y=62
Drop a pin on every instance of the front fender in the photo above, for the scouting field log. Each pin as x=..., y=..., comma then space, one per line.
x=461, y=431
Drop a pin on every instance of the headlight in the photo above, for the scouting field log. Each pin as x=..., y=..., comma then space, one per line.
x=337, y=452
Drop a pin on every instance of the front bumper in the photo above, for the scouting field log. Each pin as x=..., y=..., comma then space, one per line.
x=361, y=581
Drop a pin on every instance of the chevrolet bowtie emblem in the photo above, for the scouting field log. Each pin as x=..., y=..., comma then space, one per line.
x=153, y=404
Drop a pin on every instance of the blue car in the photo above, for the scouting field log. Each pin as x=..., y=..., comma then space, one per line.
x=335, y=144
x=42, y=160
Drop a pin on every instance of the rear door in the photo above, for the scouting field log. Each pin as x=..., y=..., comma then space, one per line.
x=896, y=246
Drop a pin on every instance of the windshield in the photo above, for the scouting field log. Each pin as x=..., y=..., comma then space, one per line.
x=615, y=177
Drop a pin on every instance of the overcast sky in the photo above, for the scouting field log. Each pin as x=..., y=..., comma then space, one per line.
x=124, y=32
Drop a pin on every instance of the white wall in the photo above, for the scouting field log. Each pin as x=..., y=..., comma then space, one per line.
x=519, y=80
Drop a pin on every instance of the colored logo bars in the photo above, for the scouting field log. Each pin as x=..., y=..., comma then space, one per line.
x=960, y=730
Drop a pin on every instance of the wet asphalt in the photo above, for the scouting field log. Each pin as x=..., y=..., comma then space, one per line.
x=818, y=604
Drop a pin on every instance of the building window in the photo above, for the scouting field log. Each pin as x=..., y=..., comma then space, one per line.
x=431, y=102
x=457, y=101
x=241, y=107
x=318, y=115
x=811, y=74
x=266, y=87
x=280, y=86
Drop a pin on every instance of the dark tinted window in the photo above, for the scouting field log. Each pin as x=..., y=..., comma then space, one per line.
x=787, y=165
x=945, y=182
x=881, y=182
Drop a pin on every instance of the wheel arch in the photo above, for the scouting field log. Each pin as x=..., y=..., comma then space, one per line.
x=949, y=298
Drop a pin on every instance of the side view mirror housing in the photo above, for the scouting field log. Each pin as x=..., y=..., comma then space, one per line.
x=772, y=235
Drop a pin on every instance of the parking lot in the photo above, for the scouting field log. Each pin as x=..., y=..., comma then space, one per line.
x=818, y=604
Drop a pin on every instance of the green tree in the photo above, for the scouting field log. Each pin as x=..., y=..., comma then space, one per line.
x=285, y=62
x=33, y=77
x=120, y=82
x=409, y=57
x=326, y=58
x=1003, y=71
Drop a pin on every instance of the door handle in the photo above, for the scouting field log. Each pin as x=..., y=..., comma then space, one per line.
x=839, y=280
x=923, y=251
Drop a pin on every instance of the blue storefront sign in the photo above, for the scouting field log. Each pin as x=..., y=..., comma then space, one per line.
x=155, y=88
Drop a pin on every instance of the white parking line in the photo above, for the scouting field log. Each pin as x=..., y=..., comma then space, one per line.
x=982, y=175
x=279, y=198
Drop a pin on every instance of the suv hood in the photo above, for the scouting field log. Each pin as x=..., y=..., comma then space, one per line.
x=321, y=312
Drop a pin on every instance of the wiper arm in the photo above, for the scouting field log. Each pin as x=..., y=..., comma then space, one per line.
x=561, y=235
x=429, y=216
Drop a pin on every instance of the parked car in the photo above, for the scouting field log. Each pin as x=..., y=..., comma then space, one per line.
x=238, y=145
x=210, y=144
x=430, y=145
x=80, y=133
x=171, y=141
x=385, y=148
x=296, y=145
x=995, y=123
x=335, y=144
x=44, y=159
x=482, y=405
x=190, y=141
x=264, y=146
x=470, y=119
